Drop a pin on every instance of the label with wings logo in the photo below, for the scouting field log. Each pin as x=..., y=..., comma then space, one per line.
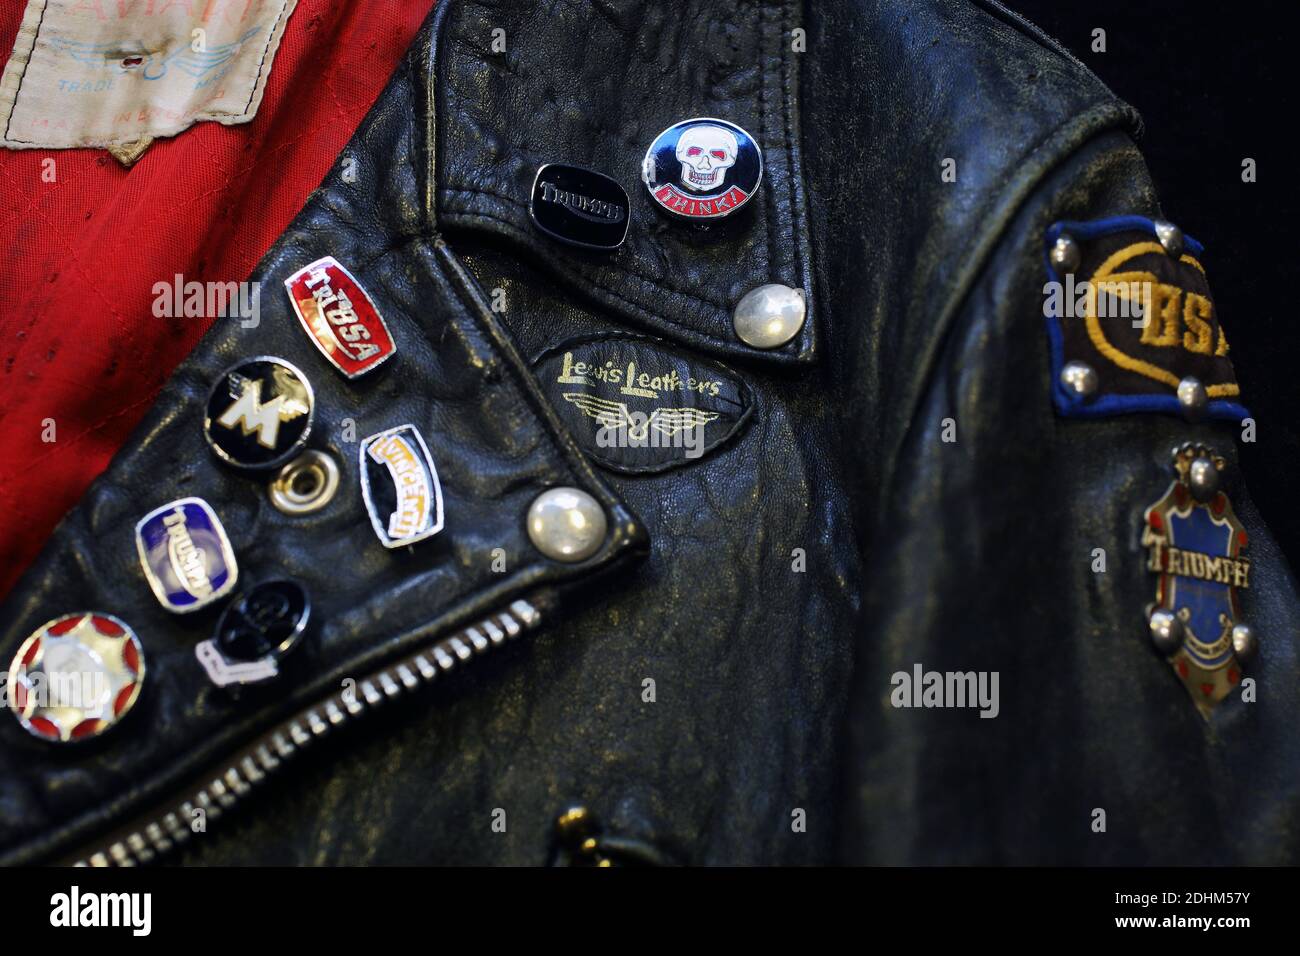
x=637, y=407
x=185, y=55
x=119, y=74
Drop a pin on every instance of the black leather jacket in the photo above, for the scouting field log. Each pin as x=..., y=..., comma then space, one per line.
x=896, y=486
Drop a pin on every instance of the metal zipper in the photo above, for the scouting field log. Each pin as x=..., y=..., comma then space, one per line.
x=166, y=828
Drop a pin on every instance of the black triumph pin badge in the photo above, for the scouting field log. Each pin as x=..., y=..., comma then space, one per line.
x=702, y=169
x=579, y=206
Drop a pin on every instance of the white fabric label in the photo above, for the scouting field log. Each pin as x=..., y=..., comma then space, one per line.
x=113, y=73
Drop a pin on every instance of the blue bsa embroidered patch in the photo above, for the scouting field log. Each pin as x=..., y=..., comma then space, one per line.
x=1132, y=324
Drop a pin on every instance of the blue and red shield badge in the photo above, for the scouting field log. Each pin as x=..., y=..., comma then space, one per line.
x=1195, y=543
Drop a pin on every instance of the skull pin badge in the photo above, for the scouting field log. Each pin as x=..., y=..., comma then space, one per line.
x=702, y=169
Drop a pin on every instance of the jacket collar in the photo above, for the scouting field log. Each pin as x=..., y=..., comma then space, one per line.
x=518, y=86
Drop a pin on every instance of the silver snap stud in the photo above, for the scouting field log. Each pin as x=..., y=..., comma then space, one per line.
x=1080, y=378
x=1065, y=253
x=769, y=316
x=1170, y=236
x=1166, y=631
x=1192, y=397
x=1244, y=644
x=566, y=524
x=1203, y=478
x=306, y=484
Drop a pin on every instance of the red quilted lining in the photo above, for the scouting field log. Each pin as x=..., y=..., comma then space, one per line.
x=79, y=257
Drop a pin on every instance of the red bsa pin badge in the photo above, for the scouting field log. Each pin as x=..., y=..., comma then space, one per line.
x=340, y=318
x=1196, y=544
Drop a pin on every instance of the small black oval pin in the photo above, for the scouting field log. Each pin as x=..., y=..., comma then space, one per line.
x=579, y=206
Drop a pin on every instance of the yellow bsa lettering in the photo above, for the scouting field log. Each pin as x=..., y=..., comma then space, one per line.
x=1179, y=318
x=1176, y=318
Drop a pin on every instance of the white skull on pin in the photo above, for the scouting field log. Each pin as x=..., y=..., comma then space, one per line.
x=706, y=153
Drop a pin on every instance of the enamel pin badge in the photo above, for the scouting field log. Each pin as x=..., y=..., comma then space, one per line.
x=255, y=633
x=1195, y=544
x=186, y=556
x=702, y=169
x=400, y=487
x=339, y=317
x=259, y=413
x=76, y=676
x=580, y=207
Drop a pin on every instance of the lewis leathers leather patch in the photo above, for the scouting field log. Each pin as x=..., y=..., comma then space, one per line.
x=635, y=406
x=1130, y=317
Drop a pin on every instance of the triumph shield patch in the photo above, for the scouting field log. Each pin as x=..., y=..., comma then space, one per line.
x=1196, y=544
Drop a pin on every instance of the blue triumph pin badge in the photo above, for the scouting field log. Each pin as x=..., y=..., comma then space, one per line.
x=1195, y=544
x=702, y=169
x=186, y=555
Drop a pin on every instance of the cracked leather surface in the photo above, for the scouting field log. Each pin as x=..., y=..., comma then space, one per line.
x=494, y=440
x=771, y=683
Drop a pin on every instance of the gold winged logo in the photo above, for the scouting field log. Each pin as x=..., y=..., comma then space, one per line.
x=616, y=415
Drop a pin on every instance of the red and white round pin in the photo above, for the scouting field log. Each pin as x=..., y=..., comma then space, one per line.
x=76, y=676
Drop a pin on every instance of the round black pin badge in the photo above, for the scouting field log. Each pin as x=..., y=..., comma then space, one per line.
x=702, y=169
x=259, y=413
x=580, y=207
x=267, y=621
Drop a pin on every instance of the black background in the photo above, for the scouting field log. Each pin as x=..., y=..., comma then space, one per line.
x=1216, y=83
x=359, y=910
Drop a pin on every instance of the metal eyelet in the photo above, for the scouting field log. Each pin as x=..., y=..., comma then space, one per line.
x=306, y=484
